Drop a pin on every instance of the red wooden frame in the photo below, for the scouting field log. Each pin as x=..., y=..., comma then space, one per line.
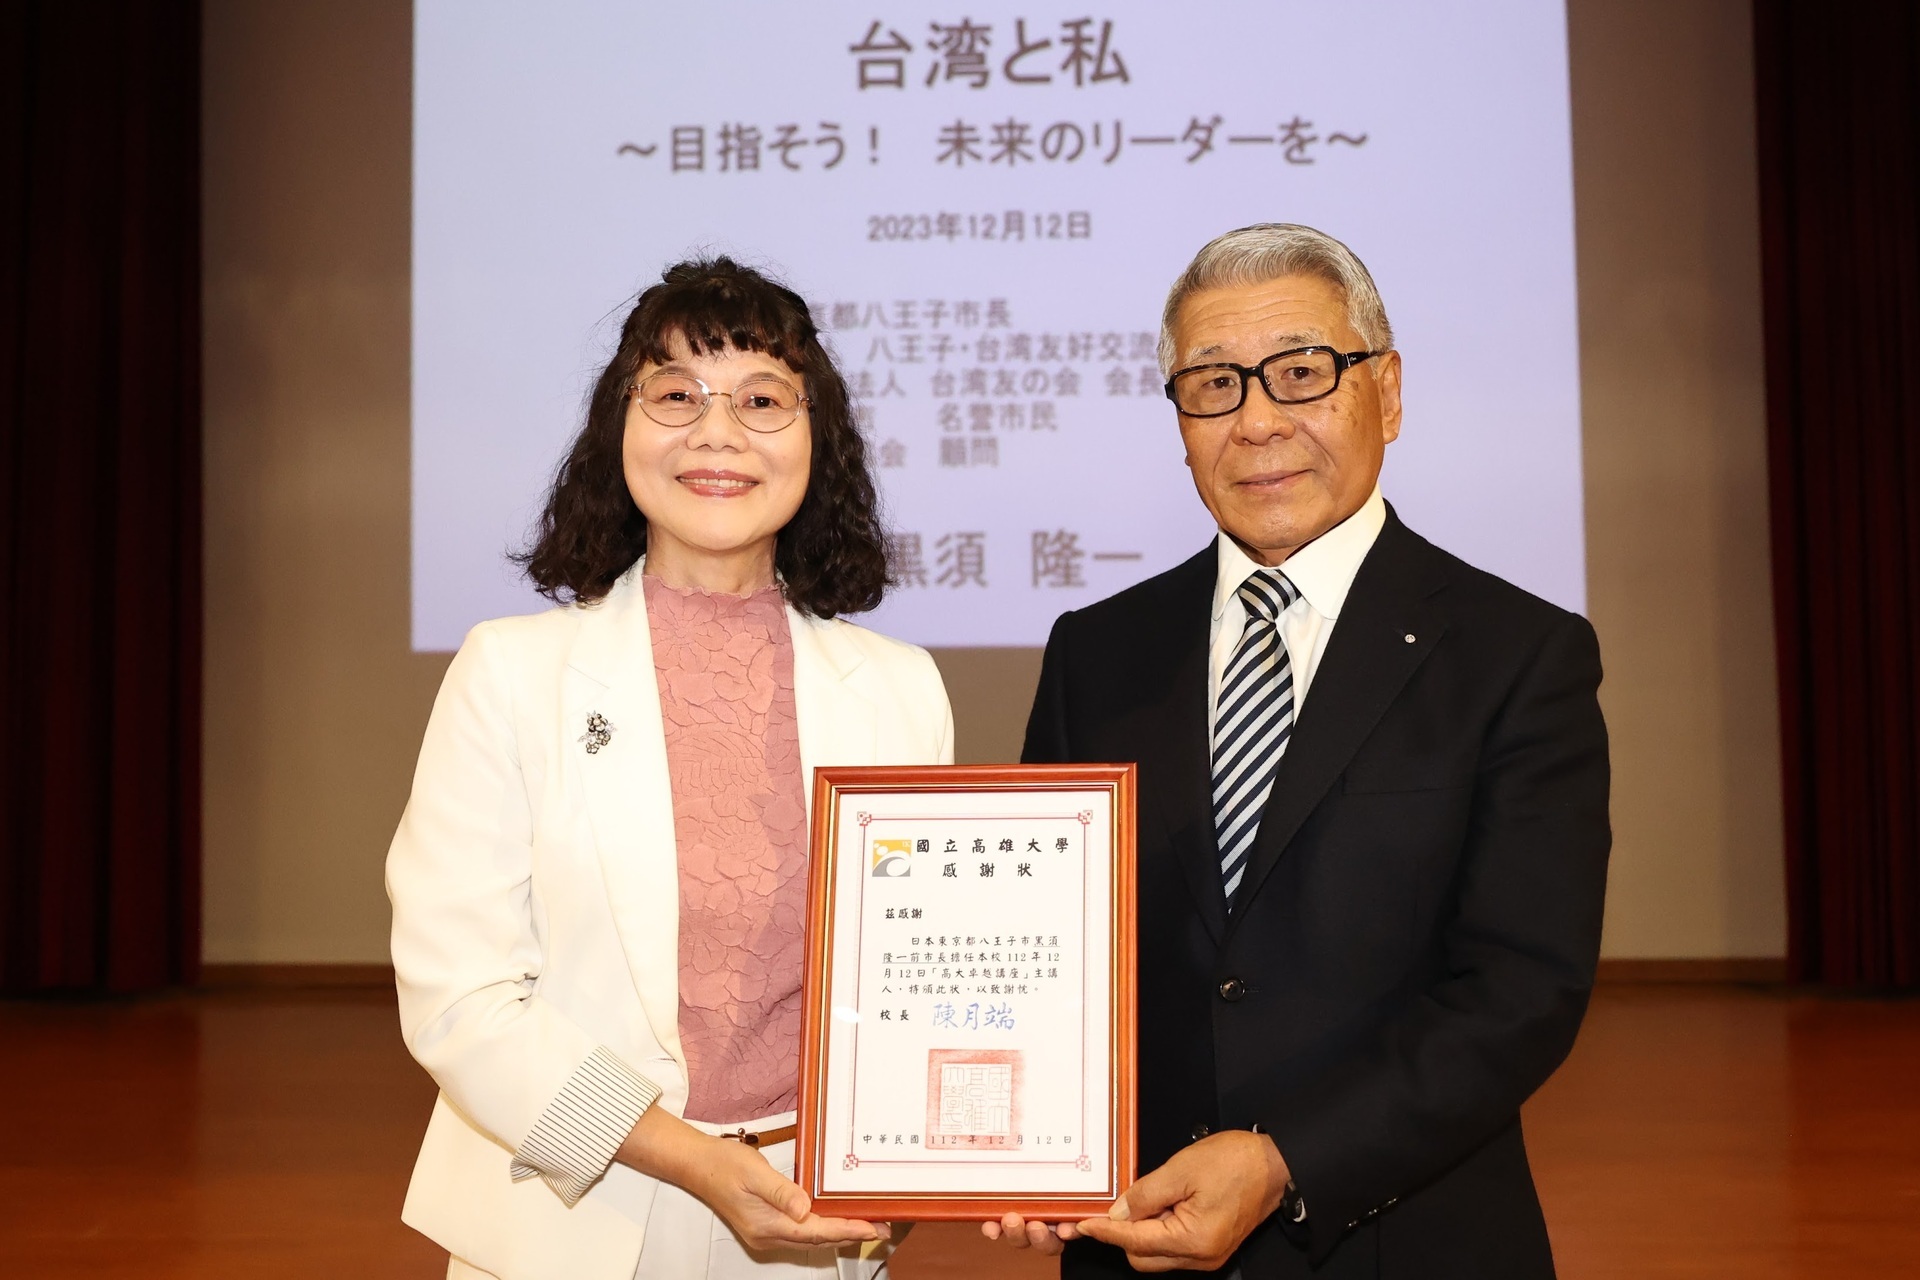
x=830, y=784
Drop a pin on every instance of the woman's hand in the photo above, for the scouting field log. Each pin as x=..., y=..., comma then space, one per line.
x=1021, y=1234
x=766, y=1210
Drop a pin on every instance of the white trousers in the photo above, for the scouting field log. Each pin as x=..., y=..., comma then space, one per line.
x=685, y=1240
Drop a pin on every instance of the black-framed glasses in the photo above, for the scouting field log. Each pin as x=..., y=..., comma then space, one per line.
x=762, y=403
x=1298, y=376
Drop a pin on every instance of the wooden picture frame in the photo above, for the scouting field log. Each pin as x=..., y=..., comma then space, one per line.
x=945, y=1076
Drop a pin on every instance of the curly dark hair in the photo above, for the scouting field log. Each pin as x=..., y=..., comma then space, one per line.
x=831, y=557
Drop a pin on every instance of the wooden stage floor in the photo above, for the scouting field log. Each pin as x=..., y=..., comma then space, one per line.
x=1696, y=1132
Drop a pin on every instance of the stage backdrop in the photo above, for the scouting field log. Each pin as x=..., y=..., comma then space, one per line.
x=985, y=207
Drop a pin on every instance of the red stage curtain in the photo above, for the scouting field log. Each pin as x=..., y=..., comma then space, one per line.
x=99, y=495
x=1839, y=134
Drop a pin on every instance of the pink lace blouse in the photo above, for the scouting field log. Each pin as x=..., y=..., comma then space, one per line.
x=725, y=669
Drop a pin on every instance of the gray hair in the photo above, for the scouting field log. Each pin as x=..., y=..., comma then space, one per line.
x=1267, y=251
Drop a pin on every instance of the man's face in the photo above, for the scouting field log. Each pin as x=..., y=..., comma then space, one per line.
x=1277, y=476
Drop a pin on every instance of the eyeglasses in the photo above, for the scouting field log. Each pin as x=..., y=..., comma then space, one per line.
x=679, y=400
x=1299, y=376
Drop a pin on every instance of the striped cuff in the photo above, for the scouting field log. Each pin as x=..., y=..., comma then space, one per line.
x=577, y=1135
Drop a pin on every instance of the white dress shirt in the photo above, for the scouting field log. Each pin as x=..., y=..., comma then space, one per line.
x=1323, y=570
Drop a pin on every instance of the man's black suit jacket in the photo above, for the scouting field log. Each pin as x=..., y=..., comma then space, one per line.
x=1411, y=951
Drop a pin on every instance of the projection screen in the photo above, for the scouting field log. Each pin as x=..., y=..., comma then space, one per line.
x=985, y=205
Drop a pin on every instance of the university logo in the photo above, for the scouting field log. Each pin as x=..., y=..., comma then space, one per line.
x=892, y=858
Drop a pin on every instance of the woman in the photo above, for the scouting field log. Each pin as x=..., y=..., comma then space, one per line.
x=599, y=882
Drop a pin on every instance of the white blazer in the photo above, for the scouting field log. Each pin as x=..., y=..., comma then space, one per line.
x=535, y=891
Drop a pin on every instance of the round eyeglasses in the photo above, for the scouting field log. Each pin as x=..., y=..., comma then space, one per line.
x=1298, y=376
x=679, y=400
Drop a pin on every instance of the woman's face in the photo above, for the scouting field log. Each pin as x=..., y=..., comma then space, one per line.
x=714, y=493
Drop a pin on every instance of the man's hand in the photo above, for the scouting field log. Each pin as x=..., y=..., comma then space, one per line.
x=1192, y=1212
x=1021, y=1234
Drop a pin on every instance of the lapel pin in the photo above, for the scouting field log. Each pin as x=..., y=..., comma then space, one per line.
x=599, y=733
x=1409, y=637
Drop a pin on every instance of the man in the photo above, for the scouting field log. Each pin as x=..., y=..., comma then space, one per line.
x=1373, y=821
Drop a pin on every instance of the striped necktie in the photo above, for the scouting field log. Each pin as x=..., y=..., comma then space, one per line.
x=1253, y=722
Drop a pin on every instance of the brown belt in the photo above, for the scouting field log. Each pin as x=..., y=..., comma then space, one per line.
x=766, y=1137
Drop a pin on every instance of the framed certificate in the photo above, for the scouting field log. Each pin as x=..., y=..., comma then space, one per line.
x=969, y=992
